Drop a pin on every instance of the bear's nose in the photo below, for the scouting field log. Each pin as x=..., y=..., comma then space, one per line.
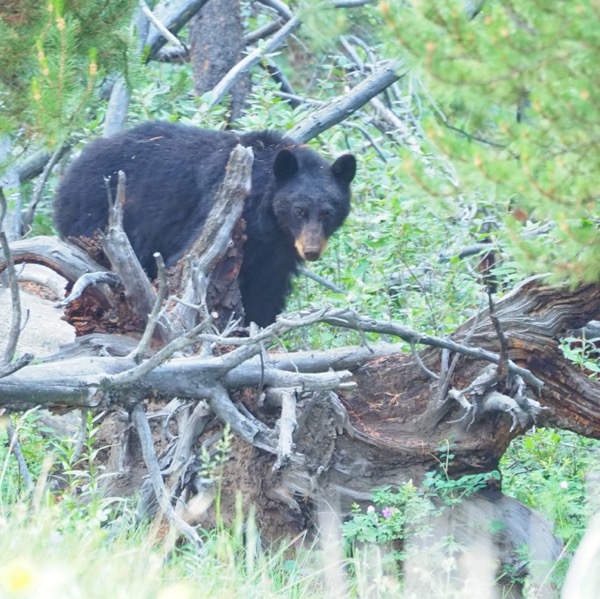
x=312, y=254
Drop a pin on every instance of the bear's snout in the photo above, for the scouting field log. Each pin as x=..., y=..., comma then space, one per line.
x=311, y=243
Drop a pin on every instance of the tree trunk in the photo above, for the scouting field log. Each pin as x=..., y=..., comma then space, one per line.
x=217, y=45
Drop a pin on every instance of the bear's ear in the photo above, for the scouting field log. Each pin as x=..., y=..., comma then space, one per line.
x=344, y=168
x=286, y=165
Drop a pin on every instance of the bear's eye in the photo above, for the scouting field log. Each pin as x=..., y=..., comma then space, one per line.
x=324, y=214
x=300, y=212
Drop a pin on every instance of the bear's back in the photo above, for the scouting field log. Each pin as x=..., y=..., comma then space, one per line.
x=172, y=173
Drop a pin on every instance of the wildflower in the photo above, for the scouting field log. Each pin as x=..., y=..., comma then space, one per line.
x=17, y=576
x=564, y=484
x=387, y=512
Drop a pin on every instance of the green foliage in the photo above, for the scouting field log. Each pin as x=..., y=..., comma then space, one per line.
x=77, y=469
x=33, y=447
x=212, y=462
x=323, y=24
x=409, y=524
x=52, y=56
x=51, y=554
x=396, y=516
x=515, y=113
x=555, y=473
x=67, y=541
x=20, y=23
x=70, y=467
x=584, y=353
x=394, y=257
x=407, y=514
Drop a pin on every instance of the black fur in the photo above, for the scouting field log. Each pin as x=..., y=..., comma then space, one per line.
x=173, y=172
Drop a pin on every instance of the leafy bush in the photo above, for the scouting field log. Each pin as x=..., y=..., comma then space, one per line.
x=555, y=472
x=407, y=519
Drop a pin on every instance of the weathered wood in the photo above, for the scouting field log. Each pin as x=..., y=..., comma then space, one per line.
x=212, y=263
x=394, y=426
x=66, y=259
x=396, y=407
x=124, y=262
x=535, y=317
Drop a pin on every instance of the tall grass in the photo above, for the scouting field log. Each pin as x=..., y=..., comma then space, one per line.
x=75, y=544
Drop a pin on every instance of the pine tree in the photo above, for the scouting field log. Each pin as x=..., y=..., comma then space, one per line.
x=517, y=114
x=53, y=54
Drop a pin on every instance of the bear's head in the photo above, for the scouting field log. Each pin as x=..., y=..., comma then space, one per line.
x=312, y=197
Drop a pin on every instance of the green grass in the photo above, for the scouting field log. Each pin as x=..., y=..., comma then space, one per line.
x=72, y=543
x=54, y=552
x=49, y=554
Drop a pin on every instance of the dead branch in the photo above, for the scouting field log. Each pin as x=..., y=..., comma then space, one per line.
x=223, y=87
x=91, y=279
x=163, y=495
x=15, y=328
x=503, y=364
x=41, y=182
x=158, y=313
x=33, y=165
x=168, y=35
x=173, y=16
x=134, y=375
x=281, y=8
x=349, y=319
x=125, y=264
x=21, y=362
x=178, y=462
x=68, y=260
x=83, y=381
x=250, y=429
x=264, y=31
x=215, y=238
x=287, y=424
x=193, y=428
x=343, y=106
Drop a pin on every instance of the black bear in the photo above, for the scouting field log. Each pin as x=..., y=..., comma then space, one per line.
x=173, y=171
